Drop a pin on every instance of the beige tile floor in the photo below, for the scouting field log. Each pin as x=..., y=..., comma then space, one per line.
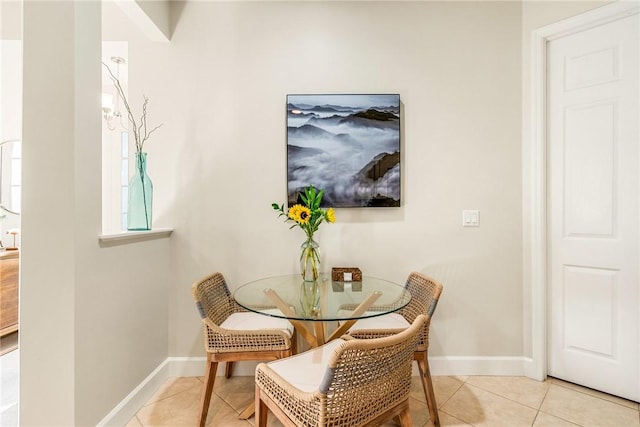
x=462, y=401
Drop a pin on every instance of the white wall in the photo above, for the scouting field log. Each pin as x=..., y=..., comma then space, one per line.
x=456, y=66
x=93, y=320
x=159, y=13
x=10, y=20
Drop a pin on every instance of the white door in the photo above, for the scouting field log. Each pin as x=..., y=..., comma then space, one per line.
x=594, y=216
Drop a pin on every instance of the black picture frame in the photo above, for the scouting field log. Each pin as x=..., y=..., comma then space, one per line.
x=346, y=144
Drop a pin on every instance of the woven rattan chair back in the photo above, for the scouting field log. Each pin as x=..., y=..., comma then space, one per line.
x=215, y=304
x=213, y=299
x=425, y=294
x=366, y=383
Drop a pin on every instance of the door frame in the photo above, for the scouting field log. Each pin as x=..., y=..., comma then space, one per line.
x=537, y=369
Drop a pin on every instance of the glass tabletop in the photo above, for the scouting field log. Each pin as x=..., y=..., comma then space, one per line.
x=323, y=300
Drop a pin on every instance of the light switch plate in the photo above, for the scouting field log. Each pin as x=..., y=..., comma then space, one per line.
x=470, y=218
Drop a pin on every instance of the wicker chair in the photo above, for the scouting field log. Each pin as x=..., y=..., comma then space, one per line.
x=234, y=334
x=347, y=382
x=425, y=293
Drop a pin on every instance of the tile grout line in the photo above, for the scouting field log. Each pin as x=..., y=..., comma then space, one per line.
x=542, y=402
x=535, y=418
x=228, y=403
x=545, y=396
x=462, y=383
x=522, y=404
x=150, y=402
x=504, y=397
x=563, y=419
x=577, y=389
x=452, y=394
x=581, y=392
x=453, y=416
x=538, y=409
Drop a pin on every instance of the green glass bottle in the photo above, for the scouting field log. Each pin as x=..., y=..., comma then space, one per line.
x=140, y=196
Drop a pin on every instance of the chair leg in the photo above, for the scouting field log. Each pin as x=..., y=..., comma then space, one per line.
x=261, y=410
x=228, y=369
x=248, y=411
x=405, y=418
x=427, y=386
x=294, y=342
x=207, y=389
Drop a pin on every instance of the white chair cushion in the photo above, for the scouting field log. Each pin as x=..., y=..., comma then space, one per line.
x=305, y=371
x=249, y=321
x=386, y=321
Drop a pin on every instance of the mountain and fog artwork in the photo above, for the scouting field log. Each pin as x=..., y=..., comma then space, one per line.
x=348, y=145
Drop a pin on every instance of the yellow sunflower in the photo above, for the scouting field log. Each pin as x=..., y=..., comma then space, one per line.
x=331, y=215
x=294, y=212
x=304, y=215
x=300, y=214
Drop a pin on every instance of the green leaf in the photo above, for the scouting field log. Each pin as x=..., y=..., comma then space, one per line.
x=318, y=200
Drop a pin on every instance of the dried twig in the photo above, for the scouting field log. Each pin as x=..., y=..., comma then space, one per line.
x=140, y=133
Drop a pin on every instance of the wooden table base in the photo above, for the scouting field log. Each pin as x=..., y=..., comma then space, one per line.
x=316, y=336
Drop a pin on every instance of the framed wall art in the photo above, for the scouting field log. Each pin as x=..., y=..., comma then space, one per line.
x=348, y=145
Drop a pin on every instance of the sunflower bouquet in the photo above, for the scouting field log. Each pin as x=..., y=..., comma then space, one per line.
x=308, y=217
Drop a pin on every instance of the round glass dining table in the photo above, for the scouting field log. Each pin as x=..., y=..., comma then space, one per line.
x=310, y=305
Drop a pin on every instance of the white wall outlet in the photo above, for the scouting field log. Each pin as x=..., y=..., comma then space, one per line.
x=470, y=218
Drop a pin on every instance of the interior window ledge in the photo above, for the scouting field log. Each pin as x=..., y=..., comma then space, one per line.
x=127, y=237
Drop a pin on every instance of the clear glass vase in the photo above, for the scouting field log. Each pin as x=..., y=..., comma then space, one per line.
x=140, y=196
x=310, y=298
x=309, y=261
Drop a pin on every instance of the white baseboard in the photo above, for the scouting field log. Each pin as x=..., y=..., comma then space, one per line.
x=130, y=405
x=533, y=370
x=194, y=367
